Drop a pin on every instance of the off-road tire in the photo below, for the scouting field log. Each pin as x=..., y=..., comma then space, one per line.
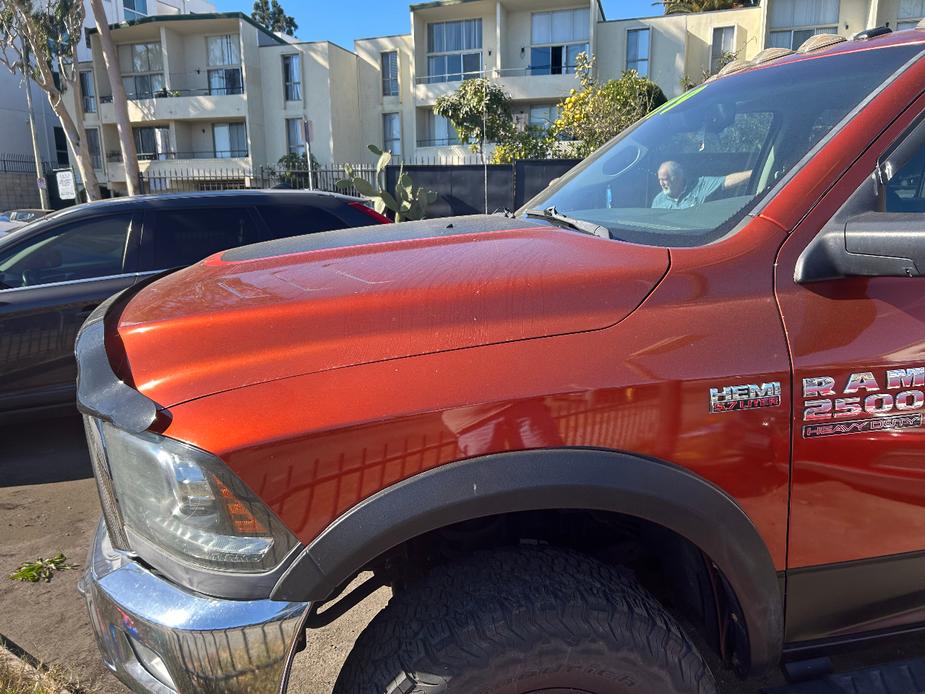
x=531, y=619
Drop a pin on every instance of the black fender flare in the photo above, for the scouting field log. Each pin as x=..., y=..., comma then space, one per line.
x=575, y=478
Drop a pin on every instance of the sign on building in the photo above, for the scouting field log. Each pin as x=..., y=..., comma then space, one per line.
x=66, y=189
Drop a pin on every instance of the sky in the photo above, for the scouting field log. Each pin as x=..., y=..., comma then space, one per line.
x=342, y=21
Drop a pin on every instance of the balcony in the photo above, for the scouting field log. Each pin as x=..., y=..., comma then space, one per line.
x=185, y=156
x=429, y=88
x=179, y=104
x=183, y=163
x=530, y=83
x=534, y=84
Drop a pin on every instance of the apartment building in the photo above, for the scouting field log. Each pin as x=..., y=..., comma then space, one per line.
x=217, y=92
x=15, y=135
x=529, y=48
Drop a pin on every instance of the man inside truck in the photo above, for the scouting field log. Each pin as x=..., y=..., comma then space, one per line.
x=677, y=194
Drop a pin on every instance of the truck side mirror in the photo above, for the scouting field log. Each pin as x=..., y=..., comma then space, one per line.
x=873, y=244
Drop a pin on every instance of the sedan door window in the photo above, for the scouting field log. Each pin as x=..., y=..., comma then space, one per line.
x=186, y=236
x=87, y=249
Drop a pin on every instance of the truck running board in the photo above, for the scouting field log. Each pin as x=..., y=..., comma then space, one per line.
x=903, y=677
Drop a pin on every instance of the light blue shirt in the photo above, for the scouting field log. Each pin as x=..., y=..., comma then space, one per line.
x=692, y=196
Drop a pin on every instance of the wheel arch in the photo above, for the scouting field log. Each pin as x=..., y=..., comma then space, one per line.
x=577, y=478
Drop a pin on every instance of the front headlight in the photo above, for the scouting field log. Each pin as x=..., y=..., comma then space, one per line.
x=188, y=504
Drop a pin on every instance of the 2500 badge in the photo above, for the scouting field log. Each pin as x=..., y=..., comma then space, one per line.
x=886, y=410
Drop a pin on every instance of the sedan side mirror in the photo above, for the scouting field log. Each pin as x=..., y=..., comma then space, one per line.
x=874, y=244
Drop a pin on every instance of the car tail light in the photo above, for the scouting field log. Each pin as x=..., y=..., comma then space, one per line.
x=370, y=212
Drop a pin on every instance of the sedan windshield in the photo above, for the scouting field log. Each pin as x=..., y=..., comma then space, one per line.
x=690, y=171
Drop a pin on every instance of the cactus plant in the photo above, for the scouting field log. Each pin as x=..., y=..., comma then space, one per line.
x=407, y=202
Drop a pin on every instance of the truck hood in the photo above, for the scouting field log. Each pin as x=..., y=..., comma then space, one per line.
x=336, y=299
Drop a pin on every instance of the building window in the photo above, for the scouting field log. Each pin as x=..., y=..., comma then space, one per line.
x=292, y=77
x=910, y=14
x=454, y=50
x=142, y=68
x=229, y=140
x=543, y=115
x=440, y=132
x=87, y=91
x=93, y=146
x=637, y=51
x=224, y=65
x=61, y=147
x=295, y=136
x=723, y=47
x=391, y=133
x=794, y=21
x=135, y=9
x=557, y=38
x=152, y=142
x=389, y=73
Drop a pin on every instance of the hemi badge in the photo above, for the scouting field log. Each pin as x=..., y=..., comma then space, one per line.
x=749, y=396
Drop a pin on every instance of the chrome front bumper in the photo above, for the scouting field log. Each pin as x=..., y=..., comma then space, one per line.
x=158, y=637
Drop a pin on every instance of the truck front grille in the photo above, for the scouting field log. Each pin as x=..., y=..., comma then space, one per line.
x=108, y=501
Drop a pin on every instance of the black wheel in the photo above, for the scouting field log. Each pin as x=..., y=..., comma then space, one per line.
x=524, y=621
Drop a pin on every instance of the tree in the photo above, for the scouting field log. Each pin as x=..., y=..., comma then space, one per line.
x=270, y=15
x=480, y=111
x=292, y=170
x=119, y=104
x=688, y=6
x=533, y=142
x=596, y=113
x=39, y=41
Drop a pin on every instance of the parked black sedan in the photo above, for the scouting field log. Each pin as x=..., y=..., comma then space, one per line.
x=55, y=271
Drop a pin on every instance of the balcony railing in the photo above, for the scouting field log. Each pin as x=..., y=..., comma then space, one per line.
x=529, y=71
x=168, y=156
x=535, y=71
x=439, y=142
x=173, y=93
x=451, y=77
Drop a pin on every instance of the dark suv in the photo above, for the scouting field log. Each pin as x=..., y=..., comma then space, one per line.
x=54, y=272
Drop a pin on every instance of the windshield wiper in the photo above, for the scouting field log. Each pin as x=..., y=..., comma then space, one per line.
x=552, y=215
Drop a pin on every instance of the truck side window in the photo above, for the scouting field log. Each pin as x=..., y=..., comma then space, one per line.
x=186, y=236
x=905, y=191
x=87, y=249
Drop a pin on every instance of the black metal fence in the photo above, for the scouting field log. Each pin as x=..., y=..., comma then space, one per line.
x=462, y=188
x=184, y=180
x=20, y=163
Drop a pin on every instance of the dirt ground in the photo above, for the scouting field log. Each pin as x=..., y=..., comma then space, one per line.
x=48, y=503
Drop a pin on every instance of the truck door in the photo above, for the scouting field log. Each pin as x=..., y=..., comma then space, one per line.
x=856, y=552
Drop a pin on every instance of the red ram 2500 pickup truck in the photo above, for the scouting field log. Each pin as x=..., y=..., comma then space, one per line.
x=674, y=404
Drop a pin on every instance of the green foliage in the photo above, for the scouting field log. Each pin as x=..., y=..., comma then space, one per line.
x=407, y=202
x=41, y=569
x=292, y=169
x=479, y=110
x=596, y=113
x=271, y=16
x=690, y=82
x=532, y=143
x=688, y=6
x=50, y=30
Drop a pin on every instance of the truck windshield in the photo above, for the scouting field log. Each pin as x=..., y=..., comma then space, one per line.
x=690, y=171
